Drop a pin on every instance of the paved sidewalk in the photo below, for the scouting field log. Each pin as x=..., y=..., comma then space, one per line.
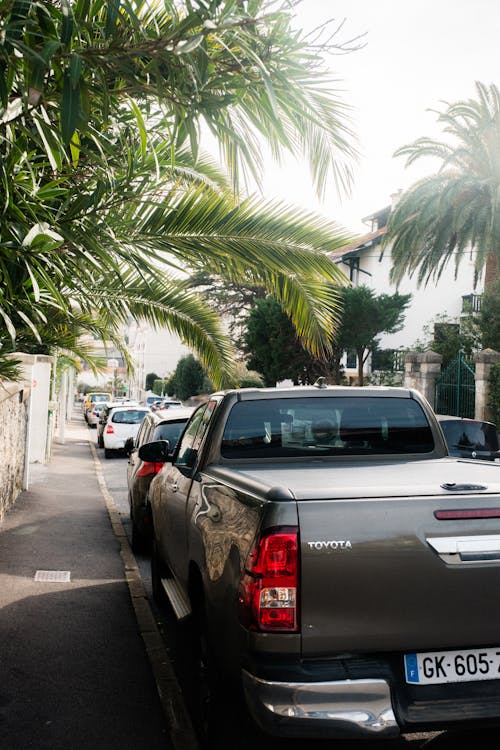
x=82, y=666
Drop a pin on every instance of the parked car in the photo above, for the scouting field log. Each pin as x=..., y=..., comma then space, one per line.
x=92, y=398
x=94, y=412
x=470, y=438
x=108, y=406
x=170, y=403
x=156, y=425
x=123, y=422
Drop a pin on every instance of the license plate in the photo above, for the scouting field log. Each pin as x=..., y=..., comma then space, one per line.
x=434, y=667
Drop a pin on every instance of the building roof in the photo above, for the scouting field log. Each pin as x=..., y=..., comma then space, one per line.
x=361, y=243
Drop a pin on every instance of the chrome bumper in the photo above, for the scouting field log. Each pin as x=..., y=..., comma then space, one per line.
x=354, y=709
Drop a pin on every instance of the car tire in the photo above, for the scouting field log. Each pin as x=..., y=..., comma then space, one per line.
x=209, y=702
x=138, y=542
x=108, y=453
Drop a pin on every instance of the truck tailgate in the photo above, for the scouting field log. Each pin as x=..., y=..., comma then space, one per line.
x=400, y=572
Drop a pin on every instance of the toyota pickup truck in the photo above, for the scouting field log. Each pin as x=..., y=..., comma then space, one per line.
x=341, y=567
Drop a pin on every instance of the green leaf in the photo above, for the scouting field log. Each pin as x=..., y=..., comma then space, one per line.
x=111, y=17
x=4, y=91
x=70, y=107
x=189, y=45
x=52, y=151
x=141, y=125
x=49, y=50
x=67, y=22
x=41, y=234
x=15, y=26
x=75, y=69
x=8, y=324
x=40, y=65
x=74, y=147
x=30, y=325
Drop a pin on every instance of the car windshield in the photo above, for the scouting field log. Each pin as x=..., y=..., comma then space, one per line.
x=334, y=426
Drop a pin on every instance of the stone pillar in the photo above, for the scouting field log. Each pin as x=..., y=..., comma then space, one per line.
x=484, y=361
x=422, y=369
x=36, y=370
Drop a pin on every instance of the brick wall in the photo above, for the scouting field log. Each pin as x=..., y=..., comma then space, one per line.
x=13, y=418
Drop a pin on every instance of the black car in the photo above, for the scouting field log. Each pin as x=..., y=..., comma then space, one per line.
x=157, y=425
x=470, y=438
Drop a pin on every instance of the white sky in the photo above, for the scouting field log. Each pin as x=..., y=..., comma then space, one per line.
x=417, y=54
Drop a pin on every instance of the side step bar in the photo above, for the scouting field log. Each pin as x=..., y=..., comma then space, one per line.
x=176, y=597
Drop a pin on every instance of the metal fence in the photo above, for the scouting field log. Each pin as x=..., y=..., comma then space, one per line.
x=456, y=388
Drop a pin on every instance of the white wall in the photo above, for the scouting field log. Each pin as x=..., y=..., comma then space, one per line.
x=442, y=297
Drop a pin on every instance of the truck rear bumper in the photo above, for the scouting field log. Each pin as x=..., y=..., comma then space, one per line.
x=344, y=709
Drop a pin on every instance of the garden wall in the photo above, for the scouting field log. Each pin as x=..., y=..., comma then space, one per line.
x=13, y=425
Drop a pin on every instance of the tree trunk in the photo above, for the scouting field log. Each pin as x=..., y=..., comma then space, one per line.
x=491, y=270
x=361, y=363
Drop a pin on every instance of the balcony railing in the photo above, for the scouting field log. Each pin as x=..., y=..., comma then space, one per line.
x=471, y=303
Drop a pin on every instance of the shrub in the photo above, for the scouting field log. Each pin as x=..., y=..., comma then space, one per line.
x=494, y=397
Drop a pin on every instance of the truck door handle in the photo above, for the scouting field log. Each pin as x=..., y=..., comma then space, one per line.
x=174, y=486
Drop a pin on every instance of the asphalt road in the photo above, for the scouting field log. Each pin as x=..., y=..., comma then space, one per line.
x=115, y=474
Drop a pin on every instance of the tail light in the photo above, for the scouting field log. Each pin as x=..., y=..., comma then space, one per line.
x=269, y=594
x=109, y=429
x=148, y=468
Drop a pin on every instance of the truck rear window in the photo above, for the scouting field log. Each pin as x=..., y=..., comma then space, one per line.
x=337, y=426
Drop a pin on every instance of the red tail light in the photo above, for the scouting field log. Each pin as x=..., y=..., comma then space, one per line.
x=268, y=594
x=148, y=468
x=110, y=429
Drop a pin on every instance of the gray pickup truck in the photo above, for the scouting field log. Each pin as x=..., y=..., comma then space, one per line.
x=342, y=570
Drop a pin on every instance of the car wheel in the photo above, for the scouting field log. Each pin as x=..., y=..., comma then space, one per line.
x=108, y=453
x=138, y=542
x=209, y=708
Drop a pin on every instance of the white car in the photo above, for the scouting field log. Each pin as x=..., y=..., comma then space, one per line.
x=123, y=422
x=94, y=413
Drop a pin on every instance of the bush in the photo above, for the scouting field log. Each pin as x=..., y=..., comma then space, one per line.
x=494, y=397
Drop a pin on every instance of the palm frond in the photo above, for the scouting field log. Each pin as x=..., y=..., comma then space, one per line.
x=446, y=216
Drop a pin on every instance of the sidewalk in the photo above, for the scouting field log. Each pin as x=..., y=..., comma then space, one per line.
x=82, y=666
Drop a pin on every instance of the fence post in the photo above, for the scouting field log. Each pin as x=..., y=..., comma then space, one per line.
x=484, y=360
x=422, y=369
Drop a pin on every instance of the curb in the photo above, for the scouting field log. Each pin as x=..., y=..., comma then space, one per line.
x=178, y=722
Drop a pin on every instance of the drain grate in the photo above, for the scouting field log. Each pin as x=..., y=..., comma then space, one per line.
x=53, y=576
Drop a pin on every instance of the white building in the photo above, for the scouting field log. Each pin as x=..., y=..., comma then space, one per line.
x=365, y=264
x=152, y=351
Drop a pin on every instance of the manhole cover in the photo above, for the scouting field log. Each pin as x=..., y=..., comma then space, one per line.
x=53, y=576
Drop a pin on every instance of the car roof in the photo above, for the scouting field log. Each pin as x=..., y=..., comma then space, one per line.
x=130, y=407
x=115, y=404
x=171, y=415
x=451, y=418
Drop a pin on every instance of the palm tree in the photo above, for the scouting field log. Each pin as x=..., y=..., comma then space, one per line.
x=457, y=210
x=106, y=201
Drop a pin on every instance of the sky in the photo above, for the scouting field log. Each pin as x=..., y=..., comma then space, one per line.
x=416, y=56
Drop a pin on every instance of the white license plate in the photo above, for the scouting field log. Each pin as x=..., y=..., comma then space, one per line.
x=434, y=667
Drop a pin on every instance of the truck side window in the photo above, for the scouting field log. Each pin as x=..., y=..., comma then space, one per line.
x=194, y=434
x=186, y=446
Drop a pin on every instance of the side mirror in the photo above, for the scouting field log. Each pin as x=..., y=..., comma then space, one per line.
x=158, y=451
